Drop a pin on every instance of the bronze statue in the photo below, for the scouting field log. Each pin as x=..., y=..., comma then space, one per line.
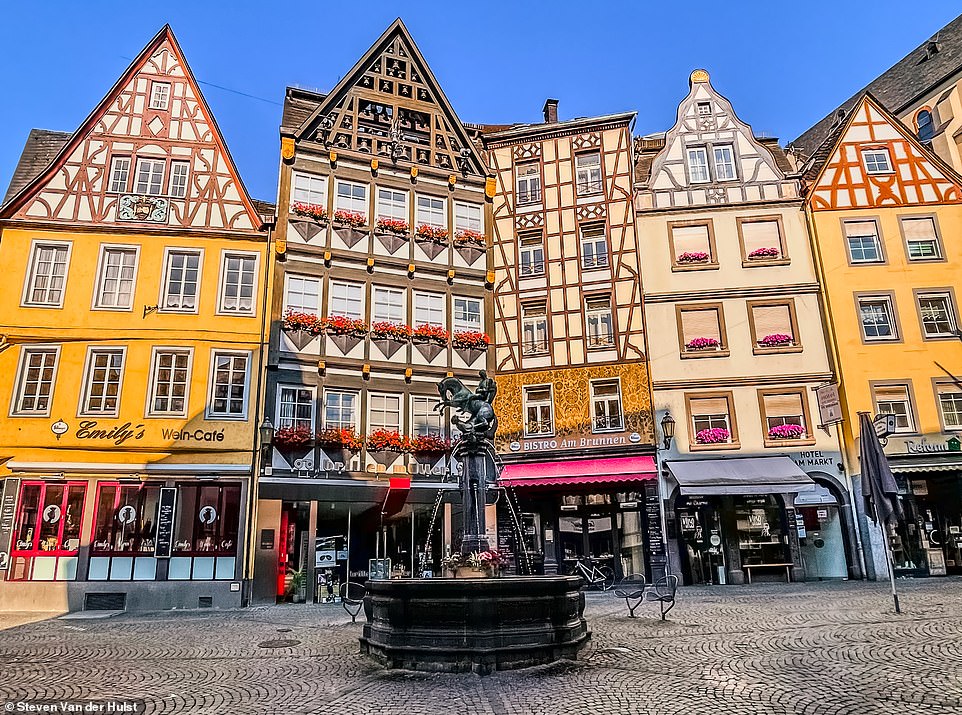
x=473, y=414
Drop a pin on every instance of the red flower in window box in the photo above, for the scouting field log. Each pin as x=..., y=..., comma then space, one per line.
x=393, y=225
x=383, y=440
x=293, y=436
x=467, y=237
x=340, y=439
x=308, y=322
x=354, y=219
x=342, y=325
x=433, y=333
x=314, y=211
x=432, y=233
x=395, y=331
x=470, y=339
x=761, y=253
x=430, y=444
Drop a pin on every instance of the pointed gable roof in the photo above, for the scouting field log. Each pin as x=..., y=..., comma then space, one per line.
x=836, y=176
x=73, y=185
x=389, y=94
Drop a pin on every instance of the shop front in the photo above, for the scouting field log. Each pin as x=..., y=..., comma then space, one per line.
x=735, y=520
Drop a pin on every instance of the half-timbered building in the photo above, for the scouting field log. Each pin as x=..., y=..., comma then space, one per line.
x=732, y=304
x=379, y=293
x=575, y=434
x=130, y=352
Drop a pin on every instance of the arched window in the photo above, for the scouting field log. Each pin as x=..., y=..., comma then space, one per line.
x=924, y=125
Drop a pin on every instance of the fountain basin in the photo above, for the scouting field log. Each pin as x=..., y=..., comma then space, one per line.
x=475, y=624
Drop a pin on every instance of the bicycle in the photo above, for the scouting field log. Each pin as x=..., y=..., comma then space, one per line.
x=602, y=577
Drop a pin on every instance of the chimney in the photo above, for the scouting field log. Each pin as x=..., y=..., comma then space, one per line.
x=550, y=110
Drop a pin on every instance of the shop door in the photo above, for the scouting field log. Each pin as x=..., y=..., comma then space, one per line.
x=703, y=556
x=822, y=547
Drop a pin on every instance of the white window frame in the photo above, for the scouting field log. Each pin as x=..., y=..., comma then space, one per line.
x=460, y=324
x=732, y=165
x=288, y=277
x=83, y=407
x=359, y=314
x=589, y=178
x=162, y=303
x=893, y=322
x=598, y=315
x=596, y=263
x=112, y=182
x=606, y=400
x=726, y=423
x=876, y=240
x=152, y=386
x=400, y=411
x=551, y=412
x=166, y=95
x=910, y=412
x=419, y=295
x=311, y=180
x=949, y=313
x=537, y=267
x=430, y=412
x=393, y=292
x=395, y=210
x=463, y=219
x=280, y=421
x=98, y=297
x=697, y=150
x=222, y=309
x=419, y=212
x=175, y=189
x=210, y=413
x=154, y=162
x=523, y=184
x=874, y=153
x=935, y=240
x=533, y=320
x=955, y=396
x=355, y=422
x=31, y=277
x=16, y=400
x=365, y=202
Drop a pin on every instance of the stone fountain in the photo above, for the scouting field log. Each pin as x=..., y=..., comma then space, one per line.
x=474, y=624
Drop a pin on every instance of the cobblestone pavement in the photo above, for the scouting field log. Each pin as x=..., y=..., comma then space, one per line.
x=811, y=649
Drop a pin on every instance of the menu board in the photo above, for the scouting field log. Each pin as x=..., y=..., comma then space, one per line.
x=8, y=513
x=653, y=532
x=164, y=544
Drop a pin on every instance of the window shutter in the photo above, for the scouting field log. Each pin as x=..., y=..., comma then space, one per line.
x=788, y=405
x=709, y=406
x=772, y=320
x=760, y=234
x=919, y=229
x=860, y=228
x=700, y=324
x=947, y=388
x=691, y=239
x=886, y=393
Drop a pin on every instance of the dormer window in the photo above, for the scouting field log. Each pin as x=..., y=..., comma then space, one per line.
x=877, y=161
x=160, y=95
x=704, y=109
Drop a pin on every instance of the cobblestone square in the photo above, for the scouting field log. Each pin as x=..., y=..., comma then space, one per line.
x=804, y=648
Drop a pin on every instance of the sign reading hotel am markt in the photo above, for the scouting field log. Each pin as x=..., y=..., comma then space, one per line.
x=165, y=523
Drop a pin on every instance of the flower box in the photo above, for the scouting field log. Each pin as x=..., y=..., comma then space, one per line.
x=292, y=437
x=392, y=233
x=693, y=257
x=383, y=440
x=397, y=226
x=470, y=345
x=715, y=435
x=432, y=239
x=776, y=340
x=430, y=340
x=345, y=439
x=343, y=325
x=469, y=244
x=312, y=211
x=429, y=445
x=764, y=254
x=696, y=344
x=301, y=328
x=786, y=432
x=348, y=227
x=389, y=337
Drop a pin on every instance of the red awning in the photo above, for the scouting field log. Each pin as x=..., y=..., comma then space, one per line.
x=578, y=471
x=397, y=494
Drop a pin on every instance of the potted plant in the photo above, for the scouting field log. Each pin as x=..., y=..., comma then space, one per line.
x=693, y=257
x=776, y=340
x=341, y=443
x=429, y=447
x=786, y=432
x=389, y=337
x=764, y=254
x=348, y=226
x=385, y=445
x=301, y=328
x=470, y=244
x=297, y=585
x=345, y=332
x=430, y=340
x=490, y=562
x=713, y=435
x=696, y=344
x=470, y=344
x=432, y=239
x=311, y=219
x=292, y=437
x=392, y=233
x=451, y=563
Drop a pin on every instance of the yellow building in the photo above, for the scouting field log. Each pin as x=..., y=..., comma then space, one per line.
x=885, y=215
x=131, y=349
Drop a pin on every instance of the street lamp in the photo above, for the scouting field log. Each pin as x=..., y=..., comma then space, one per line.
x=667, y=429
x=266, y=432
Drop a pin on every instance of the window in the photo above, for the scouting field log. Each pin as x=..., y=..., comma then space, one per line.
x=925, y=127
x=937, y=315
x=115, y=285
x=692, y=245
x=206, y=532
x=307, y=189
x=302, y=294
x=877, y=317
x=351, y=197
x=921, y=238
x=104, y=373
x=704, y=109
x=773, y=325
x=895, y=400
x=711, y=420
x=48, y=273
x=588, y=173
x=781, y=411
x=598, y=315
x=698, y=165
x=701, y=330
x=606, y=405
x=46, y=539
x=534, y=319
x=178, y=179
x=347, y=299
x=594, y=247
x=228, y=385
x=237, y=288
x=724, y=156
x=864, y=245
x=340, y=409
x=538, y=411
x=467, y=314
x=950, y=405
x=529, y=183
x=125, y=520
x=388, y=305
x=295, y=406
x=181, y=279
x=150, y=177
x=384, y=412
x=160, y=95
x=119, y=174
x=467, y=217
x=531, y=251
x=171, y=378
x=425, y=418
x=392, y=204
x=761, y=239
x=877, y=161
x=429, y=309
x=431, y=212
x=38, y=366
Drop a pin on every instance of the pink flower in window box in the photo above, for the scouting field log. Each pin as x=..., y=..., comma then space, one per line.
x=693, y=257
x=702, y=344
x=715, y=435
x=776, y=340
x=786, y=432
x=765, y=253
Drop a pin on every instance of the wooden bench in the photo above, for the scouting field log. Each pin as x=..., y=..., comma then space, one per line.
x=747, y=568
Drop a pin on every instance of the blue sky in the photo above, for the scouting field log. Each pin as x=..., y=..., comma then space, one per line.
x=783, y=65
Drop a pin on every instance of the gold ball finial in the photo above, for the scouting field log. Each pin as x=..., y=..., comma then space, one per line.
x=698, y=76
